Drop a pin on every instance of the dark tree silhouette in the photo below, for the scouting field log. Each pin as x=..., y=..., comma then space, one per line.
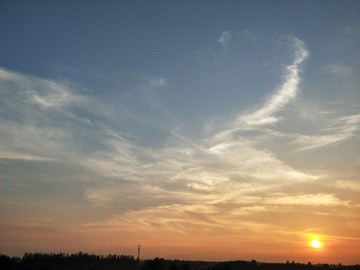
x=84, y=261
x=155, y=264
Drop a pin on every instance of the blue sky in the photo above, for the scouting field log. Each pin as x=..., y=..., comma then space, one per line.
x=201, y=123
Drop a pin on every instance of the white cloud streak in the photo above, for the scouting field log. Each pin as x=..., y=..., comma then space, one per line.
x=340, y=129
x=284, y=94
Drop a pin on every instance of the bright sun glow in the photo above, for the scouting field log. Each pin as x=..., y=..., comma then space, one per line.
x=315, y=243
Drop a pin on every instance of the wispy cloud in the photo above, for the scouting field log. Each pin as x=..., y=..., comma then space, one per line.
x=28, y=132
x=283, y=95
x=318, y=199
x=99, y=197
x=338, y=130
x=158, y=82
x=351, y=30
x=5, y=154
x=46, y=93
x=195, y=166
x=339, y=70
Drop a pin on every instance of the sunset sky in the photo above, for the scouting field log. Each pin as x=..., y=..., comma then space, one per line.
x=202, y=130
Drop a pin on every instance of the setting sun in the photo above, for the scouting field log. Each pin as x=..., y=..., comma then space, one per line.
x=315, y=243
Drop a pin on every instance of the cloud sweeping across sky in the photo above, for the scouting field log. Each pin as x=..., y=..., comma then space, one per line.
x=248, y=139
x=286, y=92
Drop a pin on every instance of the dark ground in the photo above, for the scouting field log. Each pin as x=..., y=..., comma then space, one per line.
x=84, y=261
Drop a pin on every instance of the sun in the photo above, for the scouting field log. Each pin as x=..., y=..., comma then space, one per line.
x=315, y=243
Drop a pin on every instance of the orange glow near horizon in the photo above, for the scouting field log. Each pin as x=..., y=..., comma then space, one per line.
x=161, y=242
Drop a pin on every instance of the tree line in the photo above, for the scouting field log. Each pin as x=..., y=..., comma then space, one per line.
x=84, y=261
x=62, y=261
x=162, y=264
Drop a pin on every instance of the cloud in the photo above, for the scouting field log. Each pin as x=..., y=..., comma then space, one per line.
x=249, y=162
x=220, y=219
x=318, y=199
x=46, y=93
x=199, y=166
x=224, y=38
x=41, y=119
x=284, y=94
x=339, y=130
x=120, y=161
x=196, y=166
x=351, y=30
x=339, y=70
x=161, y=82
x=99, y=197
x=29, y=142
x=5, y=154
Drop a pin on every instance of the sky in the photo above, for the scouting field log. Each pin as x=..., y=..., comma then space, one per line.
x=201, y=130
